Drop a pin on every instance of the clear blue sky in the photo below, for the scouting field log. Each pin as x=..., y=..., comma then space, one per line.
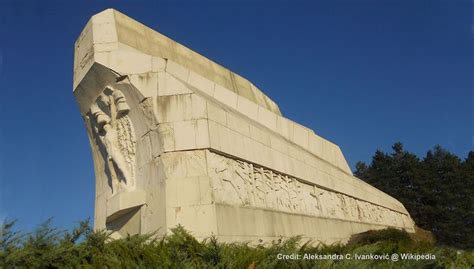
x=363, y=74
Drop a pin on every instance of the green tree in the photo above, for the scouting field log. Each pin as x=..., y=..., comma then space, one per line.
x=437, y=190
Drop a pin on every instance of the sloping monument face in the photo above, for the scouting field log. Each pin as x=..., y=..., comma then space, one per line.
x=179, y=139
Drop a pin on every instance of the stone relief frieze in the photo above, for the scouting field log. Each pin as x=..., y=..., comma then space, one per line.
x=115, y=136
x=236, y=182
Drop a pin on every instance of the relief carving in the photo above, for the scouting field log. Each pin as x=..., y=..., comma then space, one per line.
x=296, y=197
x=271, y=196
x=225, y=189
x=115, y=136
x=245, y=181
x=311, y=199
x=240, y=183
x=262, y=188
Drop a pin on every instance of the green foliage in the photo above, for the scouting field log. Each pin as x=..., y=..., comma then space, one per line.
x=437, y=190
x=387, y=235
x=84, y=248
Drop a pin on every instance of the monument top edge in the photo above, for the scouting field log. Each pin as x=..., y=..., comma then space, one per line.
x=110, y=30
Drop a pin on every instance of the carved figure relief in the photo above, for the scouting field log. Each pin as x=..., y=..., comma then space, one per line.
x=296, y=197
x=227, y=190
x=243, y=174
x=262, y=189
x=271, y=195
x=115, y=137
x=236, y=182
x=311, y=199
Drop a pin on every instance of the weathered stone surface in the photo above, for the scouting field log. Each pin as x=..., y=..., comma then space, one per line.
x=179, y=139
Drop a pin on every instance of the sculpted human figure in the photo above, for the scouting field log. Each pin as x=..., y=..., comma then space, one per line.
x=107, y=128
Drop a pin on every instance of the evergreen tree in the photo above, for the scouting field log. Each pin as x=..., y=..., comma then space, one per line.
x=437, y=191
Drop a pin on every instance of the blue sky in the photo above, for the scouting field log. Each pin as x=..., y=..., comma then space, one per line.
x=363, y=74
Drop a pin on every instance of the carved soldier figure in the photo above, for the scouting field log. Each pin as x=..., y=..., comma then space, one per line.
x=111, y=134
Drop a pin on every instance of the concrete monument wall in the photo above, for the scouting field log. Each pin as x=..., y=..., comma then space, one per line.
x=179, y=139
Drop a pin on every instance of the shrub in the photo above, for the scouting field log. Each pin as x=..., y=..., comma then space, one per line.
x=386, y=235
x=48, y=247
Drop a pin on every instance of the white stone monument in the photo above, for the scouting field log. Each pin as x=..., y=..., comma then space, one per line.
x=179, y=139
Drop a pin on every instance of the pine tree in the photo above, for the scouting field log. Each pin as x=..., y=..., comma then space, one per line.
x=438, y=191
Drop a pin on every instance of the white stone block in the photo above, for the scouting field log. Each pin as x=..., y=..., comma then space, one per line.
x=124, y=201
x=177, y=70
x=259, y=96
x=279, y=144
x=195, y=163
x=315, y=145
x=295, y=152
x=155, y=143
x=328, y=152
x=169, y=85
x=247, y=107
x=181, y=107
x=249, y=145
x=174, y=164
x=225, y=96
x=199, y=107
x=214, y=135
x=191, y=134
x=300, y=135
x=205, y=190
x=144, y=154
x=100, y=48
x=259, y=134
x=266, y=157
x=202, y=134
x=278, y=160
x=106, y=16
x=185, y=134
x=171, y=194
x=198, y=218
x=201, y=83
x=283, y=127
x=158, y=64
x=188, y=191
x=216, y=113
x=130, y=62
x=341, y=161
x=104, y=32
x=229, y=140
x=236, y=143
x=171, y=109
x=267, y=118
x=83, y=56
x=166, y=133
x=238, y=124
x=147, y=83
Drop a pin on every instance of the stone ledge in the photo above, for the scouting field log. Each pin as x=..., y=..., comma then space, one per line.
x=124, y=202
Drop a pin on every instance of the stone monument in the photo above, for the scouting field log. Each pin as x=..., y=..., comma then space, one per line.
x=179, y=139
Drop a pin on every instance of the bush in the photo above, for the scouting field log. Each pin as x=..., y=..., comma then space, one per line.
x=84, y=248
x=386, y=235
